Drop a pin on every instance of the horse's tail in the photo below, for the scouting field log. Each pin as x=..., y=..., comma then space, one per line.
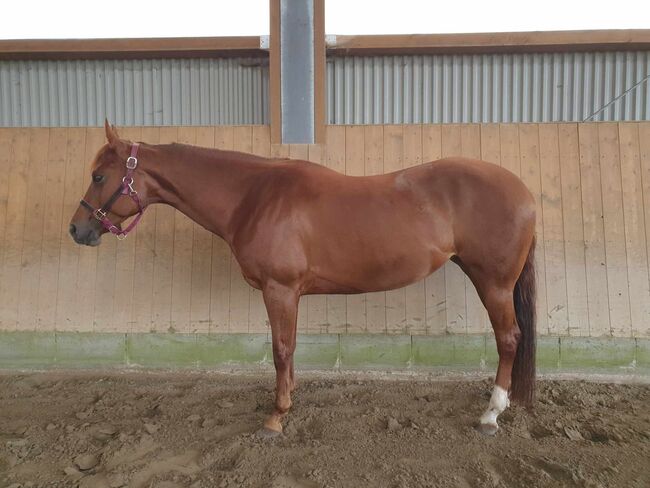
x=523, y=371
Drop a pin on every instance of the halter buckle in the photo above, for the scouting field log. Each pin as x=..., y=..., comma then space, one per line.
x=131, y=162
x=99, y=215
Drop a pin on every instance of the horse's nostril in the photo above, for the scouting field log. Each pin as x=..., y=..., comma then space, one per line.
x=73, y=230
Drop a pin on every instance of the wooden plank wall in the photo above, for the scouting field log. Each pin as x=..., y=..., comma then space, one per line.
x=591, y=182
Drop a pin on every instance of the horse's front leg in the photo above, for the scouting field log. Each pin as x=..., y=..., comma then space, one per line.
x=282, y=306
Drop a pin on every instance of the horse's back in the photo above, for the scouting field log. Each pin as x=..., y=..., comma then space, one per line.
x=460, y=192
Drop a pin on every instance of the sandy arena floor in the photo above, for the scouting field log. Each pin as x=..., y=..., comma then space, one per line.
x=164, y=430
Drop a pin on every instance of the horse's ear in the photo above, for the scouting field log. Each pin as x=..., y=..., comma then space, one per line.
x=111, y=134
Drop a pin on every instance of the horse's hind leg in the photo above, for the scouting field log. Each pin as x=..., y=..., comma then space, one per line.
x=508, y=293
x=282, y=307
x=496, y=291
x=500, y=306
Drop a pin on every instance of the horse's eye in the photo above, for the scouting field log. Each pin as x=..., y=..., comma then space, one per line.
x=98, y=178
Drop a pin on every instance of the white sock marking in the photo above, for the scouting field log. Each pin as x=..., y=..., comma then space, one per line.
x=498, y=403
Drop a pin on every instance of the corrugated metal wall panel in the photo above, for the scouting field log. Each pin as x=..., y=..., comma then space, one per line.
x=360, y=90
x=134, y=92
x=487, y=88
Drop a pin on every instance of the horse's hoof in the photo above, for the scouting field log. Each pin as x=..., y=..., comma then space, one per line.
x=266, y=433
x=487, y=429
x=273, y=423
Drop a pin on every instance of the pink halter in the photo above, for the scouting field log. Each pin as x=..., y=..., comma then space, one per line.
x=125, y=188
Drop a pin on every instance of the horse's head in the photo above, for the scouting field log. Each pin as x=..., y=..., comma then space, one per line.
x=106, y=203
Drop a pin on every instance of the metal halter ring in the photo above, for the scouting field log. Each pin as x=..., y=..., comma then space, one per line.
x=114, y=229
x=129, y=184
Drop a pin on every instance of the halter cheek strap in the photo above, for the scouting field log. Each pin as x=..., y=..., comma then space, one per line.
x=125, y=188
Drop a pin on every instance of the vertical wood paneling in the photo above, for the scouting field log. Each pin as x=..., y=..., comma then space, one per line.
x=635, y=229
x=33, y=234
x=594, y=240
x=434, y=285
x=491, y=143
x=14, y=225
x=279, y=151
x=573, y=230
x=553, y=238
x=591, y=183
x=393, y=161
x=644, y=150
x=335, y=159
x=613, y=219
x=454, y=276
x=354, y=166
x=373, y=151
x=509, y=148
x=6, y=156
x=51, y=245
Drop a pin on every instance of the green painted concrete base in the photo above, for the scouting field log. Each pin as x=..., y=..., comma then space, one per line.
x=35, y=350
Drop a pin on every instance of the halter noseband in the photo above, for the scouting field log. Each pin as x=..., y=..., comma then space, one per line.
x=125, y=188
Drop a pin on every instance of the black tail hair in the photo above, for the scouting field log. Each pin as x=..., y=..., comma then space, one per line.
x=522, y=389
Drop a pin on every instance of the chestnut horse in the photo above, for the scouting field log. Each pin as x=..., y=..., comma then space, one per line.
x=298, y=228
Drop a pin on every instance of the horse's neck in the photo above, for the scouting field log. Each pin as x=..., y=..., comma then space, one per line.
x=206, y=185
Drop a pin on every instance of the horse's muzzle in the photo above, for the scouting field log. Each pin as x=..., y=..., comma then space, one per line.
x=85, y=235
